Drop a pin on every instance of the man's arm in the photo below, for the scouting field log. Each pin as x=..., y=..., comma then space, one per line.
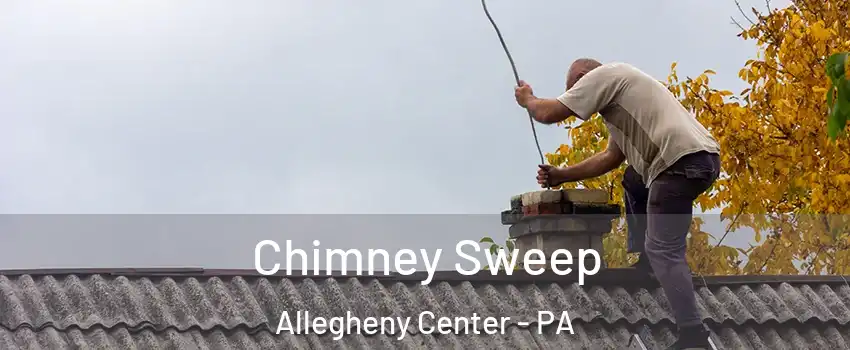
x=548, y=111
x=588, y=96
x=597, y=165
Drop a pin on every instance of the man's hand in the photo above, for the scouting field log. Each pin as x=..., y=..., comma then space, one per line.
x=523, y=94
x=546, y=111
x=550, y=176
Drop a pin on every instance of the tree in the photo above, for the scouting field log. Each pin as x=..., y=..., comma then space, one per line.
x=782, y=175
x=838, y=92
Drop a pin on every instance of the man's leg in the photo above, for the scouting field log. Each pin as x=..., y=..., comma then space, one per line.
x=635, y=195
x=670, y=210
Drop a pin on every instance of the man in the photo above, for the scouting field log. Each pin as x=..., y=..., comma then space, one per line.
x=672, y=160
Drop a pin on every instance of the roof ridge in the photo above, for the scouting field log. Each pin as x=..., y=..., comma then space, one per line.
x=618, y=276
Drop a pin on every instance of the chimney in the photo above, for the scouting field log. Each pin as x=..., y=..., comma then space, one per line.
x=570, y=219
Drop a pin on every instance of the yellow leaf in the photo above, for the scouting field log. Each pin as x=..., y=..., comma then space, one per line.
x=775, y=159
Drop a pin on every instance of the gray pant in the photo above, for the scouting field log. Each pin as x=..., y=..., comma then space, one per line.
x=659, y=218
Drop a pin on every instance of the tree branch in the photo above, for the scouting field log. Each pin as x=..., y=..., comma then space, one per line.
x=738, y=4
x=776, y=238
x=728, y=229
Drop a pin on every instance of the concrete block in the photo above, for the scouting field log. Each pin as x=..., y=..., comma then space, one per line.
x=525, y=243
x=582, y=195
x=542, y=209
x=545, y=196
x=516, y=202
x=527, y=199
x=550, y=243
x=510, y=217
x=560, y=224
x=612, y=210
x=589, y=263
x=551, y=196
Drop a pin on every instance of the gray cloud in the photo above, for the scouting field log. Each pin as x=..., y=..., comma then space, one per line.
x=304, y=106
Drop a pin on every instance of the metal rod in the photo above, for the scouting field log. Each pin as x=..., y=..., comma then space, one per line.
x=516, y=77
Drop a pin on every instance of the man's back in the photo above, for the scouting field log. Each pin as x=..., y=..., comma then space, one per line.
x=644, y=119
x=662, y=141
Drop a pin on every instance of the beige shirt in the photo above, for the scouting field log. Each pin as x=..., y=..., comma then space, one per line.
x=644, y=119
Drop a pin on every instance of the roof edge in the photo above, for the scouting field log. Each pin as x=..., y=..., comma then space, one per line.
x=611, y=276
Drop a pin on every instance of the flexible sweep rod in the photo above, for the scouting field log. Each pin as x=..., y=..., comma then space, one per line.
x=516, y=76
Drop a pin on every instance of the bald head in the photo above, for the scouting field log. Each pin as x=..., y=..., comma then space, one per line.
x=579, y=68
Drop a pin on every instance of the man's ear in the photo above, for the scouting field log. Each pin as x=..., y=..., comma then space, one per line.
x=575, y=80
x=578, y=77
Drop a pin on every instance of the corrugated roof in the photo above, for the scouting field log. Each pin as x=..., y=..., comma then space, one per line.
x=235, y=310
x=587, y=336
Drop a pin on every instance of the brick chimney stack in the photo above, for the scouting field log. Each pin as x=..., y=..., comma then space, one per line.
x=570, y=219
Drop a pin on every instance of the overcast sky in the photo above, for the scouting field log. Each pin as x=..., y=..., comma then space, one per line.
x=300, y=107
